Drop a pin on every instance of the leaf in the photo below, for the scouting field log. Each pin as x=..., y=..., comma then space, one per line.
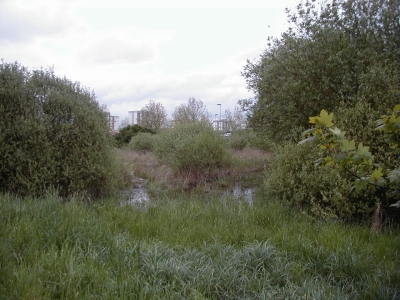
x=394, y=176
x=308, y=131
x=326, y=119
x=347, y=145
x=336, y=131
x=323, y=120
x=318, y=162
x=363, y=150
x=376, y=174
x=311, y=141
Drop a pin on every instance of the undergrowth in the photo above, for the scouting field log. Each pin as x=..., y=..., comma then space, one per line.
x=191, y=248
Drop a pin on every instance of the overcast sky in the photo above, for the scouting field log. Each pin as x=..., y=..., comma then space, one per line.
x=130, y=52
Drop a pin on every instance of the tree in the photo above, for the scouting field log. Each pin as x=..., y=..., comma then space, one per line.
x=331, y=57
x=124, y=136
x=124, y=123
x=235, y=120
x=193, y=111
x=53, y=134
x=154, y=116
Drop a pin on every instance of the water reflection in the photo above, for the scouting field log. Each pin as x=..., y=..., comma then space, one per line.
x=139, y=195
x=241, y=193
x=136, y=195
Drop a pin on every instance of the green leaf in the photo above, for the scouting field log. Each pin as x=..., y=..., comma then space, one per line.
x=323, y=120
x=363, y=150
x=347, y=145
x=376, y=174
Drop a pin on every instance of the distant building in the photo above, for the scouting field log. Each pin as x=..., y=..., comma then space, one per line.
x=113, y=122
x=221, y=125
x=134, y=117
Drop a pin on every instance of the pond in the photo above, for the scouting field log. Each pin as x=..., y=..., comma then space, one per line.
x=139, y=194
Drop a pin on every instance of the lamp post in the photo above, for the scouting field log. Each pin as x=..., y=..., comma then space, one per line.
x=219, y=123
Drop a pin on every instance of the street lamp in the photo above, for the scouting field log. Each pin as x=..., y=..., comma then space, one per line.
x=219, y=123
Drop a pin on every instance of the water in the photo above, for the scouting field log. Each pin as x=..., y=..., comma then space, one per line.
x=139, y=195
x=240, y=193
x=136, y=195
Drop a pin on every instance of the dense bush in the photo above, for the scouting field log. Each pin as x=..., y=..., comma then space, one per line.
x=124, y=136
x=143, y=142
x=239, y=139
x=193, y=148
x=293, y=178
x=53, y=134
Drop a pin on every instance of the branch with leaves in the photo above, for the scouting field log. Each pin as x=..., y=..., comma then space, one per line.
x=357, y=161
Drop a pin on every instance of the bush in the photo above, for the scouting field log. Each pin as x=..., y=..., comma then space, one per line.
x=239, y=139
x=143, y=142
x=292, y=177
x=53, y=135
x=193, y=148
x=124, y=136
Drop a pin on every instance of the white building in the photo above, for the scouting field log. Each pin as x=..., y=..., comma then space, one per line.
x=134, y=117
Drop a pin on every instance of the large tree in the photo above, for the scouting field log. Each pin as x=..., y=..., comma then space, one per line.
x=192, y=111
x=333, y=56
x=154, y=116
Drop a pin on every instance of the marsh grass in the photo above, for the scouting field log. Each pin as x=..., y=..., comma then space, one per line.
x=192, y=247
x=247, y=167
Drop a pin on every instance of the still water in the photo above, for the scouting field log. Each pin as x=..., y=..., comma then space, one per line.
x=139, y=194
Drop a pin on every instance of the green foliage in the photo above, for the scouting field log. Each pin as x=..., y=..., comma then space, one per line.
x=143, y=142
x=357, y=161
x=240, y=138
x=124, y=136
x=337, y=55
x=293, y=178
x=53, y=135
x=192, y=147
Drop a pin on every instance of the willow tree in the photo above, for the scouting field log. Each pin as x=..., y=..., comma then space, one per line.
x=332, y=57
x=53, y=134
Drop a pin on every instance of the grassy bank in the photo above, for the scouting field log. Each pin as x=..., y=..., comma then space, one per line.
x=192, y=248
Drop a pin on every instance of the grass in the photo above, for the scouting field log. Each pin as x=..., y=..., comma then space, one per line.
x=188, y=247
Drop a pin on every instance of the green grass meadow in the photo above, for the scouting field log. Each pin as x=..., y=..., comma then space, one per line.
x=188, y=247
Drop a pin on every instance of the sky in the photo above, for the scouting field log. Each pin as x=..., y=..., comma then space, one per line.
x=131, y=52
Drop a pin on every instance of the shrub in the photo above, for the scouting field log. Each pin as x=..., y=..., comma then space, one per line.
x=124, y=136
x=239, y=139
x=143, y=142
x=292, y=177
x=53, y=135
x=194, y=148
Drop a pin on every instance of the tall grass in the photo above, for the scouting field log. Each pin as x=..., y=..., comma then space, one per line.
x=192, y=248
